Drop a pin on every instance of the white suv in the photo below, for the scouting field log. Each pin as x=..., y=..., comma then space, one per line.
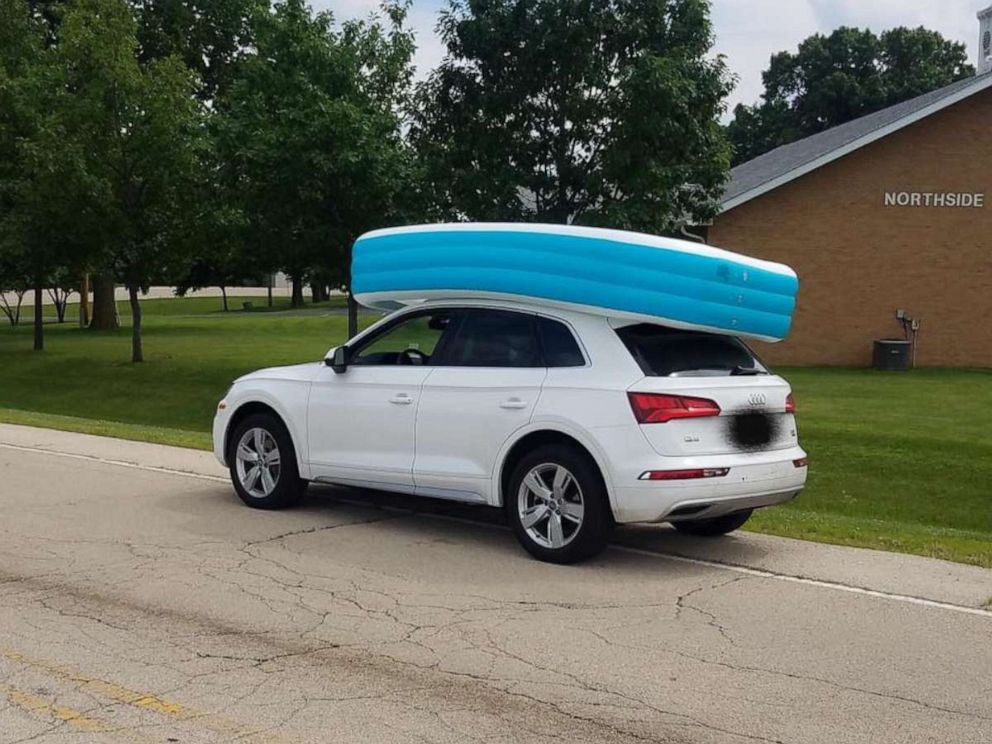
x=571, y=421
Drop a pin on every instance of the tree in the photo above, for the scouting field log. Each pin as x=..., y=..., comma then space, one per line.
x=384, y=187
x=18, y=45
x=222, y=259
x=47, y=12
x=309, y=130
x=50, y=204
x=14, y=284
x=833, y=79
x=140, y=128
x=208, y=35
x=590, y=111
x=19, y=49
x=42, y=181
x=61, y=286
x=104, y=315
x=11, y=306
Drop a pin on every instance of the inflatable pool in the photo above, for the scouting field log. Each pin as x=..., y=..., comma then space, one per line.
x=609, y=272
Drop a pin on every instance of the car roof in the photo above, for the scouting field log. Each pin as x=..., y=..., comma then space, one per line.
x=536, y=308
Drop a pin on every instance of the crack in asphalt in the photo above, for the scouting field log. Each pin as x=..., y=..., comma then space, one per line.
x=315, y=529
x=681, y=604
x=309, y=652
x=723, y=565
x=369, y=628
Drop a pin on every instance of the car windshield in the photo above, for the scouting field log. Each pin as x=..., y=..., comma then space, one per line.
x=671, y=352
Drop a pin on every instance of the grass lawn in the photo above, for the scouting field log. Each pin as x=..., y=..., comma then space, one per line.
x=190, y=361
x=898, y=461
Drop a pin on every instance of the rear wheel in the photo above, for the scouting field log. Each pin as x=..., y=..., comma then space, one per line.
x=557, y=505
x=713, y=527
x=262, y=462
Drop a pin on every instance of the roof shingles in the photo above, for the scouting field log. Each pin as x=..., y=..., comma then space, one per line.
x=780, y=162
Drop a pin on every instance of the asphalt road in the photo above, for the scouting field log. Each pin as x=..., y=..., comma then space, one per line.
x=142, y=604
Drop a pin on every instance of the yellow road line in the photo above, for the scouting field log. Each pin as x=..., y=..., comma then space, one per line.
x=143, y=700
x=46, y=709
x=100, y=687
x=43, y=708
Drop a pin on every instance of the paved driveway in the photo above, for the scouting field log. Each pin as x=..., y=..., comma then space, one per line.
x=139, y=603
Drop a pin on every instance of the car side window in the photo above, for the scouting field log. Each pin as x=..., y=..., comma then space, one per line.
x=495, y=338
x=559, y=345
x=413, y=341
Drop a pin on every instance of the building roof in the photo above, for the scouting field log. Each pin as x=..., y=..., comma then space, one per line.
x=789, y=162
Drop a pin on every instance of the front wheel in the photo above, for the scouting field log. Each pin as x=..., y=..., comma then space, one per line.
x=557, y=505
x=262, y=462
x=713, y=527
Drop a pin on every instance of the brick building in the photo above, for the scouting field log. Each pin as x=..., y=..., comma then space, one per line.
x=889, y=212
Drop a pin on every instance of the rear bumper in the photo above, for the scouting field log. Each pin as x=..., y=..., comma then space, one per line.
x=754, y=480
x=706, y=508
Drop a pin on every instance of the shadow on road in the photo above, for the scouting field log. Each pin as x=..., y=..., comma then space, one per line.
x=655, y=538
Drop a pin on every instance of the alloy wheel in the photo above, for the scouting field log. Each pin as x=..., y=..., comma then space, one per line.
x=258, y=462
x=550, y=505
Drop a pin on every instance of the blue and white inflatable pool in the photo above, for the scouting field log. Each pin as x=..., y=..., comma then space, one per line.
x=620, y=274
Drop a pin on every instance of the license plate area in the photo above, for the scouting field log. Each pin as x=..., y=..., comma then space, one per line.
x=760, y=472
x=751, y=430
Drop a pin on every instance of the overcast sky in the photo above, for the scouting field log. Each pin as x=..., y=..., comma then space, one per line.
x=748, y=32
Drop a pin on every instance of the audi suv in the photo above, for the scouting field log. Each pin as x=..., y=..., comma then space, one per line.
x=571, y=422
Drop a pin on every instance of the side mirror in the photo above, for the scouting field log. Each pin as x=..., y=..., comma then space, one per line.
x=339, y=359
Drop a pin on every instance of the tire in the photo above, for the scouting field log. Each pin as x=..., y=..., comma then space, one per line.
x=714, y=527
x=283, y=486
x=580, y=495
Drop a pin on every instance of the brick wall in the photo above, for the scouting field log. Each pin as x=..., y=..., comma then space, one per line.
x=859, y=260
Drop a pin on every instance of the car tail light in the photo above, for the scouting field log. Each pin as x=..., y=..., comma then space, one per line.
x=656, y=408
x=657, y=475
x=802, y=462
x=790, y=404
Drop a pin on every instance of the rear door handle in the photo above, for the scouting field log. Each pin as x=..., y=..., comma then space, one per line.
x=513, y=403
x=401, y=400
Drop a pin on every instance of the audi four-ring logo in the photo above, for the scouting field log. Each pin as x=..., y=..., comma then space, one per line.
x=757, y=399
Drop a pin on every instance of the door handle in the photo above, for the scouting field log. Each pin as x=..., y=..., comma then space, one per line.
x=402, y=399
x=513, y=403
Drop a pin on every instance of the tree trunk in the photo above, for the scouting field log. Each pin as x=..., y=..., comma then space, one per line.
x=223, y=293
x=297, y=300
x=39, y=316
x=270, y=292
x=319, y=292
x=137, y=355
x=60, y=299
x=105, y=316
x=352, y=316
x=84, y=301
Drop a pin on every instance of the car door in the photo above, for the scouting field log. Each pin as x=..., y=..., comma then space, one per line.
x=361, y=422
x=484, y=388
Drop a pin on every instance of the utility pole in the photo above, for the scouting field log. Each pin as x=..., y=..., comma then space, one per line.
x=352, y=315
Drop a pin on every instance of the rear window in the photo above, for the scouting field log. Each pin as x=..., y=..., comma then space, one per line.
x=670, y=352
